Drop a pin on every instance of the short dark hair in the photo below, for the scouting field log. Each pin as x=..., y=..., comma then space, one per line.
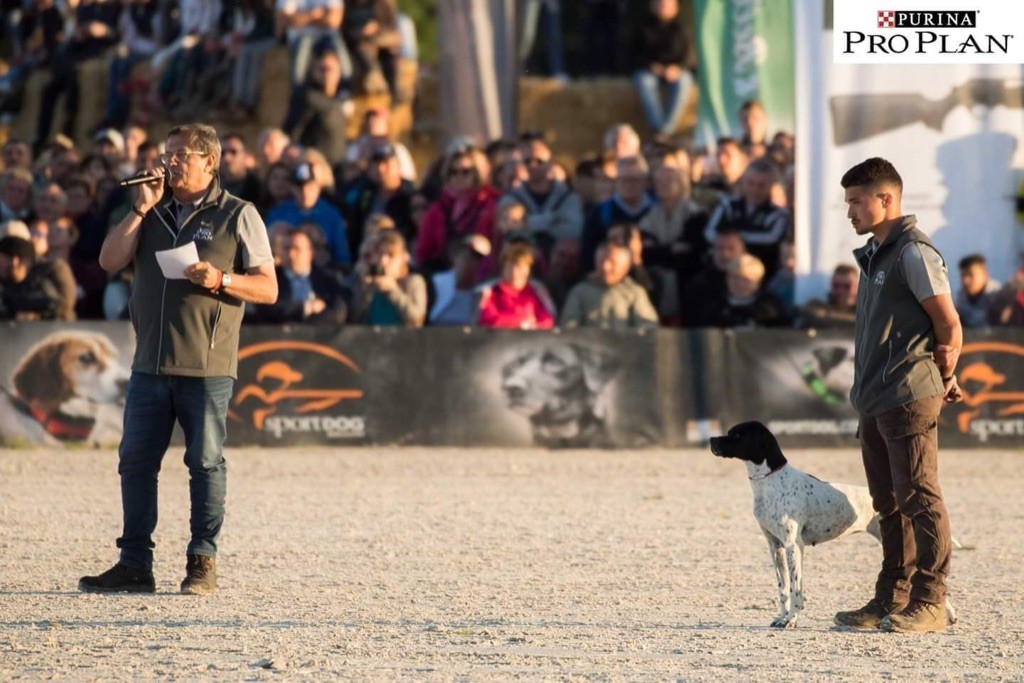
x=972, y=260
x=845, y=269
x=18, y=247
x=872, y=173
x=233, y=136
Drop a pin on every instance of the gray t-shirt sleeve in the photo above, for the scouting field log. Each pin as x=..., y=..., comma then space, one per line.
x=253, y=234
x=924, y=271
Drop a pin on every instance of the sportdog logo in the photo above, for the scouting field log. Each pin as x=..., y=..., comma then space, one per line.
x=991, y=383
x=281, y=401
x=926, y=36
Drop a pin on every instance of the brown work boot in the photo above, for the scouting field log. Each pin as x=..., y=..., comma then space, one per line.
x=916, y=617
x=870, y=615
x=200, y=575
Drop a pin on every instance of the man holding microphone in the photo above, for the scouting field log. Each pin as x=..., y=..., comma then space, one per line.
x=186, y=352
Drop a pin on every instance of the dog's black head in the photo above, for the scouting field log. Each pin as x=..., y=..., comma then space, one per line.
x=751, y=442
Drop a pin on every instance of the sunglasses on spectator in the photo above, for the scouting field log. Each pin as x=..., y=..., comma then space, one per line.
x=181, y=156
x=464, y=171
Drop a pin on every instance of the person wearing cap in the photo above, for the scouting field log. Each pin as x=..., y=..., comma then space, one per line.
x=306, y=205
x=455, y=298
x=109, y=143
x=186, y=354
x=379, y=189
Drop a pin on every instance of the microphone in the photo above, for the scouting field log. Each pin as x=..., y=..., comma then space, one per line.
x=139, y=180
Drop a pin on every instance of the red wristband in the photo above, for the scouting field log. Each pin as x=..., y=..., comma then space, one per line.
x=220, y=281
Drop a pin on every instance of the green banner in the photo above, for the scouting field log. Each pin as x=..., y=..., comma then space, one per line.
x=746, y=52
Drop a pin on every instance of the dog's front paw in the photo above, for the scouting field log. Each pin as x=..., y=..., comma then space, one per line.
x=784, y=621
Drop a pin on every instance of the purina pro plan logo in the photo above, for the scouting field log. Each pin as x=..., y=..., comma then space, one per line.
x=928, y=32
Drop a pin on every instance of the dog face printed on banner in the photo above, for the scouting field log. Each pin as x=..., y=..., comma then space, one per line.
x=557, y=386
x=68, y=387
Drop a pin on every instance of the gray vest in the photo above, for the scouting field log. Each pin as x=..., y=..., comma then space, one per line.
x=893, y=362
x=181, y=328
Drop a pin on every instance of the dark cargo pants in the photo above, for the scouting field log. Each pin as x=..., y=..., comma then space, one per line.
x=900, y=451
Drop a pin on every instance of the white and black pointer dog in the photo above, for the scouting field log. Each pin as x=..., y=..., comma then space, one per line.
x=796, y=509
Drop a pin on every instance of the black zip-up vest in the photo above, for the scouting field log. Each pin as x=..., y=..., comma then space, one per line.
x=181, y=328
x=893, y=362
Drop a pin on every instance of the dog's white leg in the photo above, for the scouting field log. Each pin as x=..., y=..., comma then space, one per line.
x=793, y=550
x=781, y=576
x=951, y=617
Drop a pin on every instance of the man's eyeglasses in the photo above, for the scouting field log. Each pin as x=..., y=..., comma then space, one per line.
x=181, y=156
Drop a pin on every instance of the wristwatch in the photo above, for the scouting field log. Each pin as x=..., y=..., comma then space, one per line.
x=225, y=280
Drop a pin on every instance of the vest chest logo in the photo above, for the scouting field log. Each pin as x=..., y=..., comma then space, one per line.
x=204, y=233
x=879, y=278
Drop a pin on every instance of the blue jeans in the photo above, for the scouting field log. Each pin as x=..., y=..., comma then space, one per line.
x=547, y=14
x=118, y=102
x=152, y=404
x=663, y=118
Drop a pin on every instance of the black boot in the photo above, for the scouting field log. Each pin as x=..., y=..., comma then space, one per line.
x=119, y=579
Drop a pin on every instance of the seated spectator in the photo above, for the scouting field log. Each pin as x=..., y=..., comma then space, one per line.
x=387, y=293
x=1008, y=307
x=553, y=210
x=306, y=205
x=977, y=293
x=370, y=30
x=562, y=269
x=135, y=139
x=783, y=283
x=609, y=297
x=754, y=123
x=317, y=110
x=27, y=291
x=673, y=232
x=235, y=175
x=762, y=224
x=277, y=187
x=513, y=302
x=16, y=195
x=466, y=207
x=662, y=52
x=743, y=303
x=376, y=132
x=118, y=293
x=731, y=163
x=56, y=261
x=621, y=141
x=629, y=204
x=840, y=307
x=270, y=145
x=591, y=184
x=94, y=29
x=709, y=282
x=109, y=144
x=252, y=37
x=455, y=301
x=630, y=236
x=308, y=293
x=85, y=252
x=16, y=153
x=380, y=190
x=138, y=29
x=309, y=24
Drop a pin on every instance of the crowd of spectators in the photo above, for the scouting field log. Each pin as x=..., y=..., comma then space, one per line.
x=501, y=233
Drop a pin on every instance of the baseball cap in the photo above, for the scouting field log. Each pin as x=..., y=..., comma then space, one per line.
x=381, y=152
x=303, y=173
x=111, y=134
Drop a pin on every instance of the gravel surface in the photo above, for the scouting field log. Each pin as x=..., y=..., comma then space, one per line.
x=485, y=565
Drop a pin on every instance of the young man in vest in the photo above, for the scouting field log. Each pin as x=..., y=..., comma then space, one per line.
x=186, y=353
x=907, y=340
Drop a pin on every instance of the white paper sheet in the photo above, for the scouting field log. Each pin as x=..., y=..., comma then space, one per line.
x=173, y=262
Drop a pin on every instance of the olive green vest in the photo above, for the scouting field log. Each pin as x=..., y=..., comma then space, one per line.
x=893, y=362
x=181, y=328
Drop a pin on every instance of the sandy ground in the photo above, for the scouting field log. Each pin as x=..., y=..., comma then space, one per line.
x=484, y=565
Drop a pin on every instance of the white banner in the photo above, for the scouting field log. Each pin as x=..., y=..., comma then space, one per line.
x=953, y=133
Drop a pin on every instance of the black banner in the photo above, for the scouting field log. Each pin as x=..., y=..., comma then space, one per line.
x=64, y=384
